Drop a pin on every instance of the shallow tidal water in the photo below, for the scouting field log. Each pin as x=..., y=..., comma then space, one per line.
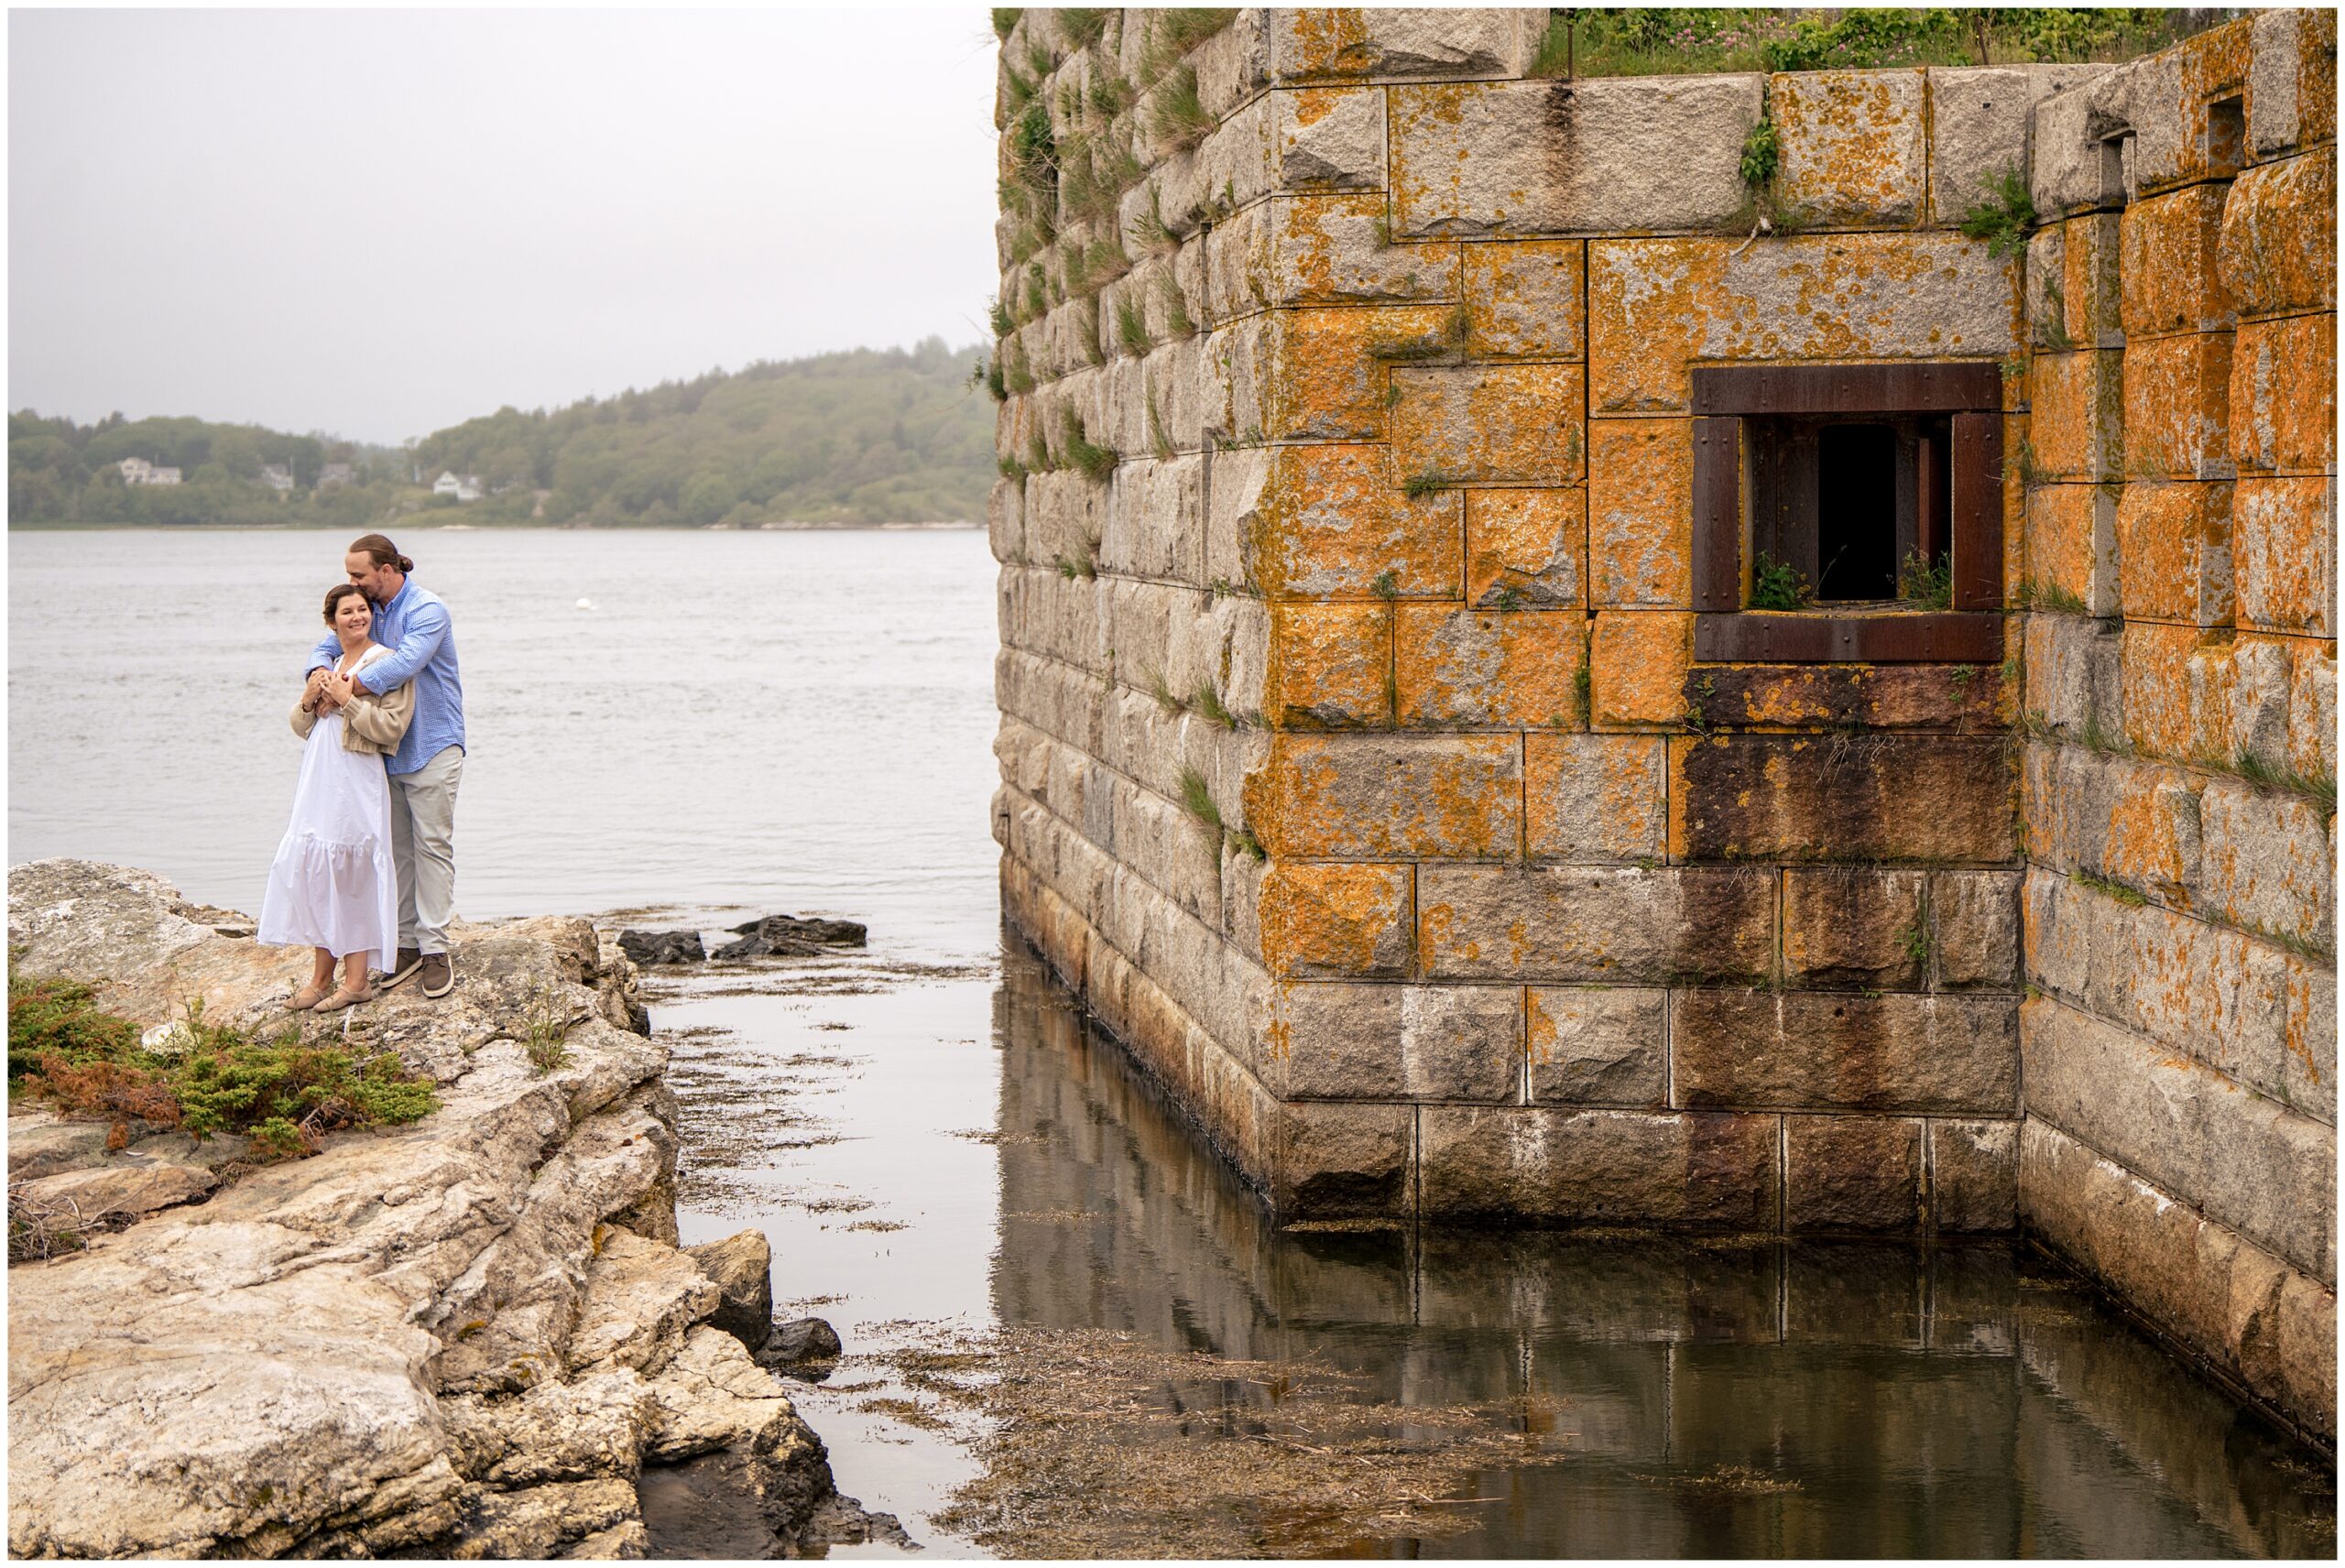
x=1069, y=1328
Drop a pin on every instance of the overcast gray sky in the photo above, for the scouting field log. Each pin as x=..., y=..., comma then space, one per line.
x=380, y=223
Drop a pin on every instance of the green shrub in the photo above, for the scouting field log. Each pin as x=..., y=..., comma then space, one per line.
x=2002, y=219
x=1926, y=584
x=1774, y=585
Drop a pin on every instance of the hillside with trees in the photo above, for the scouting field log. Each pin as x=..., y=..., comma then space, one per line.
x=845, y=440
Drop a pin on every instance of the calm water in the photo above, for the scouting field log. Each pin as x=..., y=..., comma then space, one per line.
x=803, y=722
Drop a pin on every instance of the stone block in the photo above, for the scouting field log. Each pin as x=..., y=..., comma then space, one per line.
x=2174, y=553
x=1974, y=1175
x=1637, y=666
x=1600, y=1045
x=2245, y=1160
x=1329, y=138
x=2044, y=289
x=1154, y=522
x=1975, y=930
x=1335, y=1160
x=1501, y=424
x=1824, y=1051
x=2070, y=169
x=2167, y=244
x=1853, y=1173
x=2269, y=862
x=1599, y=155
x=2091, y=282
x=1325, y=378
x=1333, y=663
x=1595, y=799
x=1320, y=250
x=1979, y=126
x=1328, y=522
x=1656, y=305
x=2283, y=553
x=2177, y=406
x=2198, y=1282
x=1511, y=667
x=1525, y=299
x=2292, y=79
x=1842, y=798
x=2312, y=711
x=2282, y=394
x=2072, y=543
x=2308, y=1080
x=1845, y=696
x=2075, y=676
x=1577, y=924
x=1359, y=1041
x=1335, y=922
x=2075, y=413
x=1641, y=513
x=1854, y=929
x=1528, y=545
x=1232, y=65
x=2260, y=693
x=2175, y=687
x=1006, y=520
x=1853, y=146
x=1351, y=42
x=1533, y=1162
x=1382, y=798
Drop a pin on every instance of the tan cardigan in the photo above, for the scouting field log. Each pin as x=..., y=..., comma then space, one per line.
x=370, y=723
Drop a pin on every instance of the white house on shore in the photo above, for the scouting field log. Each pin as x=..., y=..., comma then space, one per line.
x=139, y=470
x=462, y=486
x=276, y=477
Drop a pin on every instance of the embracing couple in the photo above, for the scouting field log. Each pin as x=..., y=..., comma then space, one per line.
x=368, y=861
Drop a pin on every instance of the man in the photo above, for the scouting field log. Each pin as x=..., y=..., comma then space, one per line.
x=413, y=623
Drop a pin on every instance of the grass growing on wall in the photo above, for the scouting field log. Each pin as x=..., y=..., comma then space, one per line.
x=1690, y=40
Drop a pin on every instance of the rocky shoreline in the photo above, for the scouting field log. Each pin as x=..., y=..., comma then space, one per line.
x=475, y=1335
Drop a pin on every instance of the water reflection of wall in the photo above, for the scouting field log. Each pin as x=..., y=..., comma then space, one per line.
x=1956, y=1399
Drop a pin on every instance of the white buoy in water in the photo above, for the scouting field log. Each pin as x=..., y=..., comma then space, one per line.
x=585, y=603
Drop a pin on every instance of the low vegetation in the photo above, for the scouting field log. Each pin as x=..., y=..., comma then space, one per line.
x=1775, y=586
x=1684, y=40
x=1926, y=584
x=66, y=1053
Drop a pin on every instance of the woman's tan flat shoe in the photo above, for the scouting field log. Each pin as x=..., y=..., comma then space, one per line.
x=307, y=997
x=342, y=999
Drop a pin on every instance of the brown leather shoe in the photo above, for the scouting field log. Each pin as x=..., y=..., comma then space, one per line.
x=438, y=974
x=403, y=967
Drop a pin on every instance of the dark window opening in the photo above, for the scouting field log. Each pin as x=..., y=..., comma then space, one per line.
x=1855, y=512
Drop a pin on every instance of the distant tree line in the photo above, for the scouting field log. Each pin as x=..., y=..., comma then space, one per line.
x=863, y=437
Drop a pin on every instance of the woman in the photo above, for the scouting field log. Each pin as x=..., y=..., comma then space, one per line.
x=332, y=886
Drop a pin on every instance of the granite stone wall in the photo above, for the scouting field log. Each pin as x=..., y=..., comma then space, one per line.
x=1356, y=764
x=2179, y=1041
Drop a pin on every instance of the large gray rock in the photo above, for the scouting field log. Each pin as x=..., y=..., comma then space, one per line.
x=370, y=1351
x=1978, y=118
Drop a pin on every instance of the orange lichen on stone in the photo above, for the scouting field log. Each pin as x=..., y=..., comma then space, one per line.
x=1324, y=41
x=1336, y=920
x=2167, y=244
x=1328, y=367
x=2178, y=402
x=1330, y=524
x=2072, y=543
x=1435, y=129
x=2015, y=440
x=1641, y=513
x=2283, y=552
x=1503, y=424
x=2076, y=405
x=1656, y=306
x=1388, y=797
x=1637, y=668
x=2154, y=833
x=1525, y=299
x=2091, y=294
x=1331, y=250
x=1532, y=544
x=2174, y=545
x=1851, y=144
x=2277, y=251
x=2282, y=394
x=1329, y=663
x=1485, y=666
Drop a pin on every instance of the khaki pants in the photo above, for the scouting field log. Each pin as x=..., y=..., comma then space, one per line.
x=423, y=834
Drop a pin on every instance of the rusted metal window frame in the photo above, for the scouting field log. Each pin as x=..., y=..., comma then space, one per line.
x=1970, y=393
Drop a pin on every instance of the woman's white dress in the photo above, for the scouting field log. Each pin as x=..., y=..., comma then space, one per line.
x=334, y=884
